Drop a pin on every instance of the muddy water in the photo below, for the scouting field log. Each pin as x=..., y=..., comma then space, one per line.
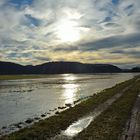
x=29, y=98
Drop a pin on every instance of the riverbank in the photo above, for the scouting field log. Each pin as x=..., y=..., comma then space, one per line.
x=54, y=125
x=111, y=123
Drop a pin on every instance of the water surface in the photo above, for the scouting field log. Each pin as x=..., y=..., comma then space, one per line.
x=28, y=98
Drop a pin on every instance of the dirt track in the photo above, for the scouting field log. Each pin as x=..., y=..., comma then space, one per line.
x=132, y=129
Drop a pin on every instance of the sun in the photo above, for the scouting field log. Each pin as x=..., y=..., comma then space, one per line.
x=67, y=31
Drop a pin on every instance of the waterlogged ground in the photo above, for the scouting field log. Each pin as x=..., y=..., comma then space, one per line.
x=30, y=98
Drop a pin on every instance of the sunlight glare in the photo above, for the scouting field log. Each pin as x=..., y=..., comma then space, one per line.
x=69, y=77
x=70, y=92
x=68, y=31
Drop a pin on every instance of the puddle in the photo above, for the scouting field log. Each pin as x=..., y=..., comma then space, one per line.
x=82, y=123
x=78, y=126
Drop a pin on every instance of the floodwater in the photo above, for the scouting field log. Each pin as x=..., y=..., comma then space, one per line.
x=29, y=98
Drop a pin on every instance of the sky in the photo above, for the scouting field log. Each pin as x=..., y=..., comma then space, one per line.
x=87, y=31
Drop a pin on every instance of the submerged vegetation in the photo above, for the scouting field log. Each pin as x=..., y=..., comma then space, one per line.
x=110, y=121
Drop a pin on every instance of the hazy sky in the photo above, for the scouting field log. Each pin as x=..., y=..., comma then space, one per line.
x=89, y=31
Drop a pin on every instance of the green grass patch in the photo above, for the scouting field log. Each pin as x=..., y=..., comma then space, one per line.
x=53, y=125
x=109, y=125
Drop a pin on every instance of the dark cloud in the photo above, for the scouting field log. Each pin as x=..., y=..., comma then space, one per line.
x=32, y=21
x=135, y=54
x=110, y=24
x=129, y=9
x=111, y=42
x=41, y=58
x=66, y=48
x=131, y=40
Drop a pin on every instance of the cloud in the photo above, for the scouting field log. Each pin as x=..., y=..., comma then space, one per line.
x=113, y=41
x=124, y=41
x=28, y=30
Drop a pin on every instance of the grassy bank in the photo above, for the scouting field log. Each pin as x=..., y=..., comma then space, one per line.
x=109, y=125
x=14, y=77
x=53, y=125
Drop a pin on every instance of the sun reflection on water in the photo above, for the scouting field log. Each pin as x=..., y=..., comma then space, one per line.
x=70, y=93
x=70, y=89
x=69, y=77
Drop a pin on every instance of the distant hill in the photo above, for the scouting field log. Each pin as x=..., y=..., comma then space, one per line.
x=136, y=69
x=57, y=68
x=11, y=68
x=75, y=67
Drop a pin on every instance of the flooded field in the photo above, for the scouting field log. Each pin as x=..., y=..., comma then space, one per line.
x=30, y=98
